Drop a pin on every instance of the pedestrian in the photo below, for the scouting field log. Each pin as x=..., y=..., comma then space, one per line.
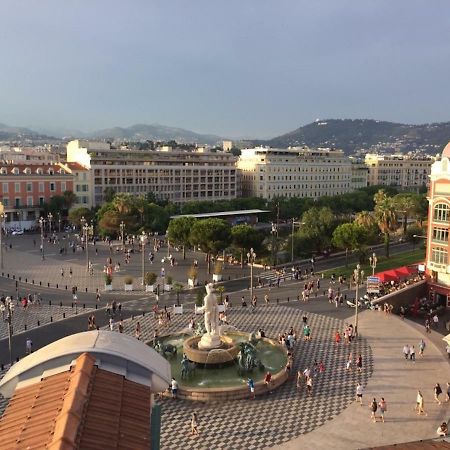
x=406, y=351
x=436, y=321
x=62, y=272
x=442, y=431
x=422, y=346
x=359, y=363
x=309, y=385
x=373, y=408
x=266, y=299
x=243, y=302
x=306, y=333
x=111, y=324
x=437, y=393
x=251, y=388
x=28, y=346
x=420, y=404
x=174, y=388
x=412, y=353
x=97, y=295
x=194, y=425
x=120, y=326
x=137, y=331
x=359, y=393
x=321, y=367
x=427, y=326
x=267, y=380
x=70, y=272
x=299, y=380
x=349, y=363
x=337, y=337
x=383, y=408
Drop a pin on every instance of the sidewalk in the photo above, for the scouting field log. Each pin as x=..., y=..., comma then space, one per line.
x=395, y=379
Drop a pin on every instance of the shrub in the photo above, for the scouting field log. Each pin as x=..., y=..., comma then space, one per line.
x=192, y=273
x=108, y=279
x=218, y=267
x=150, y=278
x=200, y=296
x=128, y=280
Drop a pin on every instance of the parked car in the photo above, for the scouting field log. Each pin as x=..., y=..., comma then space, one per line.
x=17, y=232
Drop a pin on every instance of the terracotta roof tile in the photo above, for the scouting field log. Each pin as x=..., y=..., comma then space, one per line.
x=85, y=408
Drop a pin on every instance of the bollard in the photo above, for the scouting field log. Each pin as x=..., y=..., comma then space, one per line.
x=14, y=277
x=51, y=318
x=64, y=315
x=8, y=275
x=72, y=304
x=132, y=317
x=20, y=278
x=324, y=293
x=86, y=289
x=60, y=304
x=32, y=281
x=40, y=283
x=2, y=366
x=48, y=284
x=278, y=301
x=345, y=296
x=143, y=313
x=26, y=280
x=56, y=285
x=50, y=303
x=66, y=287
x=288, y=298
x=25, y=327
x=96, y=306
x=17, y=359
x=38, y=323
x=229, y=277
x=84, y=306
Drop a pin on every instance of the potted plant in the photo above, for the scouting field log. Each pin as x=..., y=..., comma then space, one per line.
x=168, y=285
x=192, y=277
x=128, y=283
x=199, y=300
x=108, y=282
x=149, y=281
x=221, y=306
x=178, y=309
x=218, y=267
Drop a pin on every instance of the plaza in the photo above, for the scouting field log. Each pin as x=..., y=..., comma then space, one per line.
x=285, y=418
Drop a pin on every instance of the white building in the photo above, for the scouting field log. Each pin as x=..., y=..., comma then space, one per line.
x=174, y=175
x=294, y=172
x=401, y=171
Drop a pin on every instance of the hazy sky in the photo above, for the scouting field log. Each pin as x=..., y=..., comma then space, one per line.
x=234, y=68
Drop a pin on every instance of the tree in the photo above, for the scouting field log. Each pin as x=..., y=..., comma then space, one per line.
x=211, y=235
x=385, y=216
x=244, y=237
x=76, y=214
x=318, y=224
x=69, y=199
x=350, y=236
x=109, y=194
x=405, y=205
x=179, y=230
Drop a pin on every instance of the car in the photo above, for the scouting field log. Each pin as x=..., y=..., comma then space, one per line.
x=17, y=232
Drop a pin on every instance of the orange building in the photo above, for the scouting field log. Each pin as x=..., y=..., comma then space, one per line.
x=438, y=244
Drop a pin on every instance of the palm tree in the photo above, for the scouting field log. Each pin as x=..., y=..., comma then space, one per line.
x=385, y=216
x=405, y=205
x=365, y=219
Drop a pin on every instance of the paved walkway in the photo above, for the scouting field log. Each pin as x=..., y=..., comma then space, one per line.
x=393, y=378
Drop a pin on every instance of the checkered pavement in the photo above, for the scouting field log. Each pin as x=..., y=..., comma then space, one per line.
x=274, y=418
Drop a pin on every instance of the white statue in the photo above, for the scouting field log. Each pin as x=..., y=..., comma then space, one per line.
x=211, y=338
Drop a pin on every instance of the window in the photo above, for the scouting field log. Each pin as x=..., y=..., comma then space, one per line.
x=41, y=201
x=41, y=187
x=441, y=212
x=52, y=187
x=16, y=187
x=5, y=188
x=439, y=255
x=29, y=187
x=5, y=202
x=63, y=186
x=440, y=234
x=17, y=202
x=29, y=201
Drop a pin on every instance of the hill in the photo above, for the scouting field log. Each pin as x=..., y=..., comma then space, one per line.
x=367, y=135
x=155, y=132
x=8, y=133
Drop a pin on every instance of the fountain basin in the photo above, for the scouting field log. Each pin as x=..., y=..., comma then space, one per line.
x=222, y=381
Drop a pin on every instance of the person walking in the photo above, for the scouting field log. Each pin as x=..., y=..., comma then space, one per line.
x=337, y=337
x=359, y=363
x=422, y=346
x=194, y=425
x=137, y=331
x=309, y=385
x=383, y=408
x=359, y=393
x=251, y=388
x=348, y=365
x=174, y=388
x=406, y=351
x=420, y=404
x=412, y=353
x=29, y=346
x=373, y=408
x=437, y=393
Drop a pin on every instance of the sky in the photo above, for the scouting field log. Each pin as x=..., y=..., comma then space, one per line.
x=235, y=68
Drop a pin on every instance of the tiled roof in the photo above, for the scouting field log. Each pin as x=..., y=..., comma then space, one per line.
x=76, y=166
x=82, y=408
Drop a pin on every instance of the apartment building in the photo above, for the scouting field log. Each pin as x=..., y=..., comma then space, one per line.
x=174, y=175
x=24, y=188
x=402, y=171
x=82, y=186
x=294, y=172
x=438, y=244
x=27, y=155
x=360, y=173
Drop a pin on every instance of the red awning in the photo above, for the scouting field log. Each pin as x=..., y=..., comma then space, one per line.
x=396, y=274
x=387, y=275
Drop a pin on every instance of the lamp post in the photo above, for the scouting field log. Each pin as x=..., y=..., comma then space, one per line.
x=2, y=226
x=358, y=275
x=41, y=224
x=59, y=222
x=251, y=255
x=87, y=229
x=274, y=233
x=50, y=218
x=122, y=229
x=7, y=310
x=373, y=262
x=144, y=238
x=415, y=236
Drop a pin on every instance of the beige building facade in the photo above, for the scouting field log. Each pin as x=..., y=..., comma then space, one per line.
x=174, y=175
x=294, y=172
x=406, y=173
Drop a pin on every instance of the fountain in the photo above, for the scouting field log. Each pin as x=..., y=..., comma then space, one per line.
x=215, y=363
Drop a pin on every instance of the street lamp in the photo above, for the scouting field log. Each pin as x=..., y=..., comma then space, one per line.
x=41, y=224
x=144, y=239
x=358, y=276
x=2, y=226
x=50, y=218
x=59, y=222
x=122, y=229
x=373, y=262
x=87, y=230
x=415, y=236
x=251, y=255
x=274, y=233
x=7, y=310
